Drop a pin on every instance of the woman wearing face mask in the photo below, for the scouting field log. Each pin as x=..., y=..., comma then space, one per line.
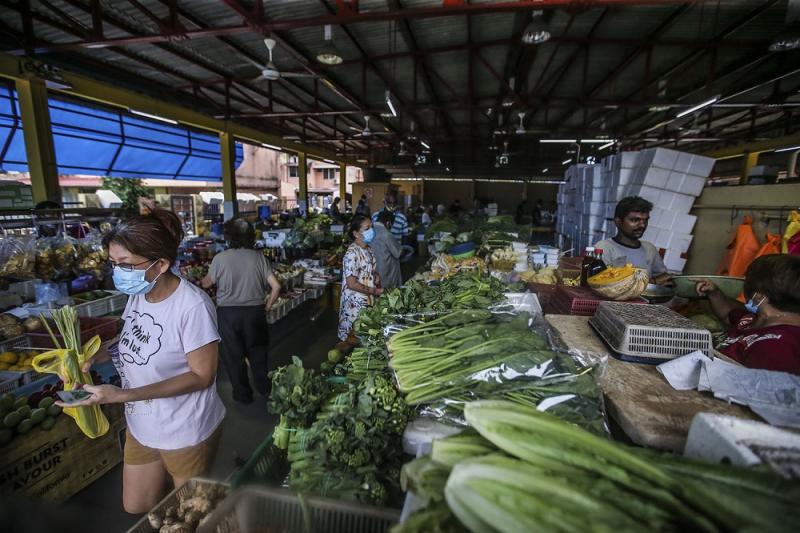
x=360, y=279
x=167, y=362
x=765, y=332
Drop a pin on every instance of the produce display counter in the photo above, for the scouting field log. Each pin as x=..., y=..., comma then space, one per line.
x=638, y=398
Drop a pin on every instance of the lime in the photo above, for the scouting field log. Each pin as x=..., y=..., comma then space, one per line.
x=44, y=403
x=25, y=426
x=12, y=419
x=53, y=410
x=20, y=402
x=37, y=415
x=48, y=423
x=24, y=411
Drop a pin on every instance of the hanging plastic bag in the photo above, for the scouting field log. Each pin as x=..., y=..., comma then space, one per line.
x=792, y=230
x=793, y=246
x=742, y=249
x=17, y=257
x=67, y=363
x=771, y=246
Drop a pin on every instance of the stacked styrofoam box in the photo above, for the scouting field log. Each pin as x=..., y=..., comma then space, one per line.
x=588, y=199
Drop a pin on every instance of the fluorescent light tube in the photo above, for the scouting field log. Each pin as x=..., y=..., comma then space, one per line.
x=788, y=149
x=558, y=141
x=272, y=147
x=153, y=117
x=698, y=107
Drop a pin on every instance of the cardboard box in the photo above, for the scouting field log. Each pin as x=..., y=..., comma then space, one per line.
x=681, y=203
x=52, y=466
x=654, y=177
x=658, y=157
x=673, y=260
x=692, y=185
x=679, y=242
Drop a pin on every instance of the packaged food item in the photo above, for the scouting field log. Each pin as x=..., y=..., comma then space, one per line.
x=17, y=257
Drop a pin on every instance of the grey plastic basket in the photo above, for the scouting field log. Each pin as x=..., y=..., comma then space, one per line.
x=259, y=509
x=650, y=333
x=143, y=526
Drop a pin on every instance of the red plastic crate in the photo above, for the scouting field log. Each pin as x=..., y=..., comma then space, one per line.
x=580, y=301
x=107, y=328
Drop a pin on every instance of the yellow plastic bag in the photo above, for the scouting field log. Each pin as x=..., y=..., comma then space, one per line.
x=67, y=365
x=791, y=229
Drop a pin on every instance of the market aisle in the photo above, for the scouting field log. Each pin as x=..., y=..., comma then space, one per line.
x=246, y=426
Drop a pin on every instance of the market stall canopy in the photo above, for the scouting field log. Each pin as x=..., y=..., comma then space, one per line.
x=108, y=199
x=100, y=141
x=212, y=197
x=247, y=197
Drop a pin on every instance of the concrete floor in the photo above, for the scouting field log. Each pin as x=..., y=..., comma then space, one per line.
x=245, y=427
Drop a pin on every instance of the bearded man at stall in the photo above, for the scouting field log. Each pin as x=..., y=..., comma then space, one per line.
x=631, y=217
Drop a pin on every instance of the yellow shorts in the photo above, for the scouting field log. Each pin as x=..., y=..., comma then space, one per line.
x=191, y=461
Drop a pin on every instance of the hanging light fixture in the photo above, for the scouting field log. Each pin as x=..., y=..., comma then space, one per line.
x=329, y=55
x=536, y=32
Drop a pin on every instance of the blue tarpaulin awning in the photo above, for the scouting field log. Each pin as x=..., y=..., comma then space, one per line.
x=101, y=141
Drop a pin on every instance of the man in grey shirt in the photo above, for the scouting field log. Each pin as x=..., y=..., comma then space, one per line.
x=631, y=217
x=387, y=251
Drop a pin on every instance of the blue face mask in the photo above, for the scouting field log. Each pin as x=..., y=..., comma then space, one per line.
x=369, y=235
x=133, y=282
x=753, y=307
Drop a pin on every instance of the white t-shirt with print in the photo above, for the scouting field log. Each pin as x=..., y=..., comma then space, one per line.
x=152, y=347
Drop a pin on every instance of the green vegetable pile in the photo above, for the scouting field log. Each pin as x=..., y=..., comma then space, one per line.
x=343, y=437
x=297, y=394
x=353, y=449
x=465, y=290
x=523, y=470
x=450, y=356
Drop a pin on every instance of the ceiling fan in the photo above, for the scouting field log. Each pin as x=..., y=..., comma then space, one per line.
x=366, y=132
x=271, y=73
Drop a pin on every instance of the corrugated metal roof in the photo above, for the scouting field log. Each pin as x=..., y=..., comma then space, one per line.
x=556, y=70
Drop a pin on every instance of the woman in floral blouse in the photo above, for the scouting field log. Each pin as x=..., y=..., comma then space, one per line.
x=360, y=278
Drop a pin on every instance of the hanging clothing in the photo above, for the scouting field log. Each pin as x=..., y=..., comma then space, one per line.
x=792, y=231
x=359, y=263
x=742, y=249
x=771, y=246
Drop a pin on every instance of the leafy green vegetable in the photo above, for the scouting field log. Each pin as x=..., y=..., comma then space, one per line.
x=296, y=395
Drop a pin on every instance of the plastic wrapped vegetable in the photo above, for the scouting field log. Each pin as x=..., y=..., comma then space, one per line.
x=66, y=362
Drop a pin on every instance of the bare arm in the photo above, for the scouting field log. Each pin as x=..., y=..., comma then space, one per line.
x=207, y=282
x=354, y=285
x=721, y=305
x=275, y=290
x=201, y=375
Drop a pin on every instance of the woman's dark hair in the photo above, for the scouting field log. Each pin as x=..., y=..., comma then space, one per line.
x=632, y=204
x=240, y=234
x=386, y=218
x=355, y=225
x=337, y=200
x=156, y=235
x=777, y=277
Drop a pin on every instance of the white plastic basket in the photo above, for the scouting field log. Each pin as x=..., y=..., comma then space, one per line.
x=650, y=333
x=252, y=509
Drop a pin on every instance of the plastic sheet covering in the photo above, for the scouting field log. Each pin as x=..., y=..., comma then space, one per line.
x=441, y=362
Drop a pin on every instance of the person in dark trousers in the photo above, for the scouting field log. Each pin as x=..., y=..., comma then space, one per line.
x=242, y=276
x=336, y=214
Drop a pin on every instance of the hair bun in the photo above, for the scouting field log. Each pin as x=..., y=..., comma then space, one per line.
x=170, y=221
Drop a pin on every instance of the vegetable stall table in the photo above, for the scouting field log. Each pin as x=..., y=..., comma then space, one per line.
x=638, y=398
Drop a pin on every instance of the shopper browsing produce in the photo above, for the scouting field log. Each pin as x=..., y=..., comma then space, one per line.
x=765, y=331
x=244, y=279
x=387, y=251
x=360, y=278
x=167, y=362
x=631, y=217
x=399, y=227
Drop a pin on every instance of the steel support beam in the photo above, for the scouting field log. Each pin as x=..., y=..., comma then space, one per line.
x=38, y=135
x=302, y=192
x=342, y=186
x=227, y=148
x=750, y=160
